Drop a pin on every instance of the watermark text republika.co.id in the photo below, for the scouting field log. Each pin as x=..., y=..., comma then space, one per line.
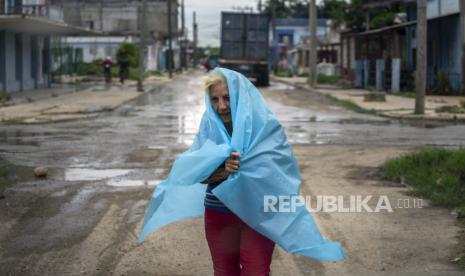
x=339, y=203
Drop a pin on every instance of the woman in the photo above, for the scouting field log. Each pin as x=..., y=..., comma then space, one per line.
x=235, y=247
x=239, y=130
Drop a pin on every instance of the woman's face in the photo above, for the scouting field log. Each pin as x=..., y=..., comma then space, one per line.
x=219, y=97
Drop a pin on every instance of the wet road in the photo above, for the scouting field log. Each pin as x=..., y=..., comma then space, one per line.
x=117, y=159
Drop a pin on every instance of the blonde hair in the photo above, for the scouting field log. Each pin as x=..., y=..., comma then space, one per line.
x=215, y=79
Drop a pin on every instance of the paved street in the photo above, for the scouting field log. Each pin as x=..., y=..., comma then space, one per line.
x=84, y=218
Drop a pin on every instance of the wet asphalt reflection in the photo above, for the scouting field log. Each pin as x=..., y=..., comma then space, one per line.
x=141, y=138
x=134, y=146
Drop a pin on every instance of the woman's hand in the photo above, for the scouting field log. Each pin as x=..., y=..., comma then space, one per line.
x=232, y=164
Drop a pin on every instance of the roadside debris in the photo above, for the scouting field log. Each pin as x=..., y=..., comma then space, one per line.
x=41, y=172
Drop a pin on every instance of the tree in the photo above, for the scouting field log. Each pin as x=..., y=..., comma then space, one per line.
x=128, y=51
x=287, y=8
x=353, y=13
x=333, y=9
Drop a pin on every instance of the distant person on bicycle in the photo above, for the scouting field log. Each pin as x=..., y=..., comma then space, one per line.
x=107, y=63
x=123, y=69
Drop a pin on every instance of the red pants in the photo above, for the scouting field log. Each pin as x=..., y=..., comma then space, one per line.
x=236, y=249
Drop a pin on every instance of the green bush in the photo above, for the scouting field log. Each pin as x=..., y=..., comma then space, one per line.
x=92, y=69
x=133, y=73
x=128, y=51
x=443, y=85
x=382, y=20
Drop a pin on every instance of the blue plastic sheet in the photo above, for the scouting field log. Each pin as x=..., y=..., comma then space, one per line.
x=268, y=168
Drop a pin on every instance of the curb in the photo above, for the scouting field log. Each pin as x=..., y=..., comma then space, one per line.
x=72, y=116
x=450, y=117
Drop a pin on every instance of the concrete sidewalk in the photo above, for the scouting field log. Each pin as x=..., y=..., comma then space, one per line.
x=57, y=105
x=394, y=106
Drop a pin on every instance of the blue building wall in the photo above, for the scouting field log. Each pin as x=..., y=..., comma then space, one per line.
x=444, y=51
x=297, y=28
x=24, y=65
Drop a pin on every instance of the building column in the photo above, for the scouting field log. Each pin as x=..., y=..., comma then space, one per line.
x=10, y=79
x=395, y=67
x=341, y=54
x=2, y=61
x=40, y=63
x=47, y=62
x=462, y=45
x=27, y=82
x=34, y=65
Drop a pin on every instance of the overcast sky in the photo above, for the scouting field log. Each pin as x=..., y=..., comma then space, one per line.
x=209, y=16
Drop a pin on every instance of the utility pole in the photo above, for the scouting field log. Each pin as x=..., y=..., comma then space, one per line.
x=101, y=15
x=143, y=26
x=421, y=40
x=259, y=6
x=195, y=41
x=183, y=38
x=170, y=42
x=462, y=29
x=312, y=56
x=273, y=29
x=182, y=18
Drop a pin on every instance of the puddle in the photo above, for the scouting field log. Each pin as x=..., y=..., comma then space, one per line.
x=132, y=183
x=280, y=86
x=11, y=174
x=157, y=147
x=78, y=174
x=59, y=193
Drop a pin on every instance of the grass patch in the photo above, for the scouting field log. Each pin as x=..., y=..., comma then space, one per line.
x=283, y=73
x=435, y=174
x=152, y=73
x=374, y=97
x=4, y=97
x=454, y=109
x=407, y=94
x=4, y=181
x=351, y=106
x=323, y=79
x=11, y=121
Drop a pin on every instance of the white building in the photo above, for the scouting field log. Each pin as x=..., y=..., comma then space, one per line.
x=26, y=28
x=119, y=22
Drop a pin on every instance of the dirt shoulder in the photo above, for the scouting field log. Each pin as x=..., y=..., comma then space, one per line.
x=407, y=240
